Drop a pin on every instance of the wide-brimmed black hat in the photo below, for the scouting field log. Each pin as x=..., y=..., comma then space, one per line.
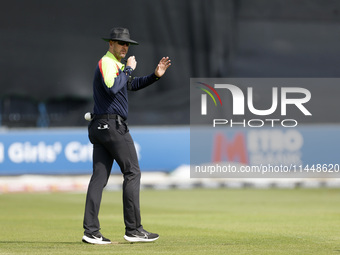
x=120, y=34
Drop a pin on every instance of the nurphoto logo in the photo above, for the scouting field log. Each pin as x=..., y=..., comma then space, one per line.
x=242, y=102
x=263, y=128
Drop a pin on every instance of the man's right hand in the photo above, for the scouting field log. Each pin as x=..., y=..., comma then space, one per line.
x=131, y=62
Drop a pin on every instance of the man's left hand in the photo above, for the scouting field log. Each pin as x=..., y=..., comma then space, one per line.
x=163, y=64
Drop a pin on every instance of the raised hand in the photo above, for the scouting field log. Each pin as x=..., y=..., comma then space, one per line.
x=163, y=64
x=131, y=62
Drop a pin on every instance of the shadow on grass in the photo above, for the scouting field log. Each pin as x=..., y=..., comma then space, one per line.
x=66, y=243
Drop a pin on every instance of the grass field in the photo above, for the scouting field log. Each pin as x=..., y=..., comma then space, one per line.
x=216, y=221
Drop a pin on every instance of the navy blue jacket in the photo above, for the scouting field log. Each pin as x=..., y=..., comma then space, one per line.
x=111, y=83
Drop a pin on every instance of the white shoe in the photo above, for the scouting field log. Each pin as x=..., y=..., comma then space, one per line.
x=141, y=236
x=95, y=239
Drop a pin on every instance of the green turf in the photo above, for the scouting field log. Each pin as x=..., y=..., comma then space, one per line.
x=221, y=221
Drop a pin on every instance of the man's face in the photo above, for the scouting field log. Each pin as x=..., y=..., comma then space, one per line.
x=119, y=49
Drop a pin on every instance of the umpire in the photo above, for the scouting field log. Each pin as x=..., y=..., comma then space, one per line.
x=109, y=134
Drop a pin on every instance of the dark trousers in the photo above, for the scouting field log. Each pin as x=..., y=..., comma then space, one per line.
x=112, y=141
